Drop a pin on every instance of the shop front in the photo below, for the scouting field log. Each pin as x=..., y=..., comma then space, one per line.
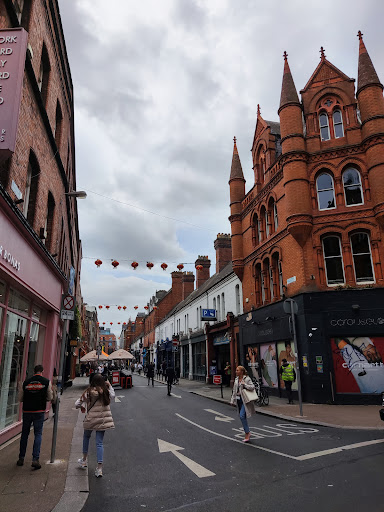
x=30, y=328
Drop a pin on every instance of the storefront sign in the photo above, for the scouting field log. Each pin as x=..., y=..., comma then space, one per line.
x=320, y=368
x=221, y=340
x=319, y=359
x=13, y=47
x=291, y=280
x=217, y=379
x=9, y=258
x=305, y=361
x=115, y=378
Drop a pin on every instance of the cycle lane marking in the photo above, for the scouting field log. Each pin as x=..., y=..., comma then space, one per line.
x=300, y=458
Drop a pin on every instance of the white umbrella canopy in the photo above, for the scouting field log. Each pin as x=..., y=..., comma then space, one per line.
x=120, y=354
x=92, y=356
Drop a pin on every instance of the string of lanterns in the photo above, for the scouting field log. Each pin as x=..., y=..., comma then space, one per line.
x=149, y=265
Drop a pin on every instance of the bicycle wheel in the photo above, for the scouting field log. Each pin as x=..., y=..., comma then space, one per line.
x=265, y=397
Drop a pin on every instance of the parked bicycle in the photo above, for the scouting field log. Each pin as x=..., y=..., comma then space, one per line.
x=262, y=393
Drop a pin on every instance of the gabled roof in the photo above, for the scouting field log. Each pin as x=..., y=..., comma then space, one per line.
x=325, y=71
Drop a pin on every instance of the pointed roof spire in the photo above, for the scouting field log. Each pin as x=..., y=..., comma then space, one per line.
x=288, y=89
x=367, y=74
x=258, y=110
x=236, y=169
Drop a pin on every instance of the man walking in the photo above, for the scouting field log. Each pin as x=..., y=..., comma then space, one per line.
x=151, y=373
x=36, y=392
x=170, y=375
x=288, y=375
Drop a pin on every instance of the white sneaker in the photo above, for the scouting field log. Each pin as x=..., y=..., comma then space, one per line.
x=82, y=463
x=98, y=472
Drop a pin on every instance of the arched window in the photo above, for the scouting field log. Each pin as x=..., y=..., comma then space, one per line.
x=324, y=126
x=362, y=258
x=325, y=192
x=258, y=285
x=266, y=224
x=263, y=223
x=218, y=309
x=48, y=227
x=281, y=289
x=352, y=187
x=214, y=305
x=270, y=269
x=43, y=79
x=338, y=124
x=255, y=230
x=275, y=217
x=34, y=173
x=334, y=267
x=59, y=124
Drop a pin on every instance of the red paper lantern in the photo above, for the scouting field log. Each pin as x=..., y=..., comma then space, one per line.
x=111, y=323
x=107, y=307
x=180, y=266
x=141, y=322
x=103, y=323
x=134, y=265
x=149, y=265
x=146, y=307
x=119, y=307
x=135, y=307
x=100, y=307
x=98, y=263
x=124, y=307
x=125, y=323
x=164, y=266
x=155, y=307
x=98, y=323
x=115, y=263
x=199, y=267
x=118, y=323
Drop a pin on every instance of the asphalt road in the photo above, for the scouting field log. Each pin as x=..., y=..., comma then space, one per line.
x=185, y=452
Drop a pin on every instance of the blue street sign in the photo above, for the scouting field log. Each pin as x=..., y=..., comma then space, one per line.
x=208, y=314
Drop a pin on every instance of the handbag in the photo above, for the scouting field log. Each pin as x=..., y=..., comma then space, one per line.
x=249, y=396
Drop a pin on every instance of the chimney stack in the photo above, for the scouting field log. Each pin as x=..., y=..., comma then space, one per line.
x=223, y=247
x=188, y=281
x=177, y=287
x=203, y=274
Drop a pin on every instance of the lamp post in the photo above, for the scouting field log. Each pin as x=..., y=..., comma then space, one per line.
x=79, y=194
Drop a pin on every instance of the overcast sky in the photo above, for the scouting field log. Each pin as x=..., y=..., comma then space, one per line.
x=161, y=87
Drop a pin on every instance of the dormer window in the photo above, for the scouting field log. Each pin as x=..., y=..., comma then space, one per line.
x=324, y=126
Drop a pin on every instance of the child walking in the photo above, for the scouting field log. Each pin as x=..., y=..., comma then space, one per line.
x=95, y=401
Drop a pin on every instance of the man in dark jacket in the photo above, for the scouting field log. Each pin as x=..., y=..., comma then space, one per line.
x=36, y=392
x=170, y=375
x=151, y=373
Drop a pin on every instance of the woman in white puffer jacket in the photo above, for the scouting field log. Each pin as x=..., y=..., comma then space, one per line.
x=95, y=401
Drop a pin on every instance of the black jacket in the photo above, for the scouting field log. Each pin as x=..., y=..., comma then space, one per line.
x=37, y=391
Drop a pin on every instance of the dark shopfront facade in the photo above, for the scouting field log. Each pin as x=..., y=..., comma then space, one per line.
x=340, y=337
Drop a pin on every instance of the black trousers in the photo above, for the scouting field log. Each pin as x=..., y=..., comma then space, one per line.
x=149, y=378
x=169, y=386
x=288, y=387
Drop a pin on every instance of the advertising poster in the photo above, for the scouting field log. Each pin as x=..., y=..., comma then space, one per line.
x=252, y=359
x=286, y=350
x=358, y=364
x=268, y=365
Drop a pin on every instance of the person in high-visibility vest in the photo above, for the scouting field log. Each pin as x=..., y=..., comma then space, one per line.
x=288, y=375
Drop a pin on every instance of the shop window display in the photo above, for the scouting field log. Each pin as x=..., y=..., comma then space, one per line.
x=286, y=350
x=268, y=365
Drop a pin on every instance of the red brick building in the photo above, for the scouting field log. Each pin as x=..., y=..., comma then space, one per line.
x=311, y=228
x=39, y=238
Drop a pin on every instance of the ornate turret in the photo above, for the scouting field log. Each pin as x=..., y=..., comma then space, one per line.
x=371, y=103
x=297, y=193
x=237, y=194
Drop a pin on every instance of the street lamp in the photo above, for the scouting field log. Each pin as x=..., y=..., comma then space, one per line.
x=79, y=194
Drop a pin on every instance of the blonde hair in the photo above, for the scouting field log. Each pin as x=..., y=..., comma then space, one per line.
x=242, y=369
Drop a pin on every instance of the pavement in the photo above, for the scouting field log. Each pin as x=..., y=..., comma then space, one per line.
x=62, y=487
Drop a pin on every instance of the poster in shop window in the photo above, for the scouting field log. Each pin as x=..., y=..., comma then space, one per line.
x=358, y=364
x=252, y=359
x=286, y=350
x=268, y=365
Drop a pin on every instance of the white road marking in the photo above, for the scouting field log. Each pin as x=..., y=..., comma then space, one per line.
x=196, y=468
x=116, y=399
x=300, y=458
x=220, y=417
x=235, y=440
x=176, y=396
x=339, y=449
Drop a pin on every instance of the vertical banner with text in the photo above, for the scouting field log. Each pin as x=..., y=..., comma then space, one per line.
x=13, y=47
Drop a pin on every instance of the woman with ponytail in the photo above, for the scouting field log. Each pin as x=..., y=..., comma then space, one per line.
x=95, y=401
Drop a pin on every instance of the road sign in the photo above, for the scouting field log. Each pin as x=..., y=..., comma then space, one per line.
x=208, y=314
x=67, y=307
x=217, y=379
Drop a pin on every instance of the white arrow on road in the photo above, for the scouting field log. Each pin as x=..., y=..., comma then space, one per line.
x=220, y=417
x=117, y=398
x=199, y=471
x=176, y=396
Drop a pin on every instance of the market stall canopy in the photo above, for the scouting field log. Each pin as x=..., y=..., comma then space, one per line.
x=120, y=354
x=92, y=356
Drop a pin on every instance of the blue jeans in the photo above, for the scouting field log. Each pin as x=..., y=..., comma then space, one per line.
x=243, y=415
x=37, y=418
x=99, y=443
